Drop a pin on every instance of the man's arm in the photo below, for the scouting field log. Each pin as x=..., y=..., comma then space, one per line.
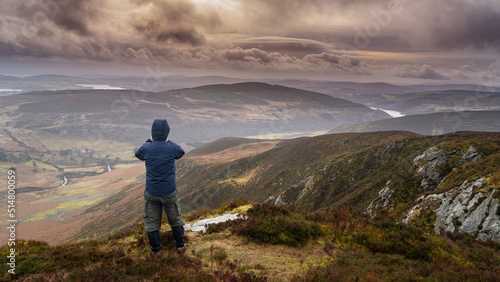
x=140, y=153
x=179, y=153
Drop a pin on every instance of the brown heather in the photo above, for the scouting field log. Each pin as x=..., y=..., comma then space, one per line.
x=327, y=245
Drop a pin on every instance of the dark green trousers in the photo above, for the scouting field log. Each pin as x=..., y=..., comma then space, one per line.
x=153, y=211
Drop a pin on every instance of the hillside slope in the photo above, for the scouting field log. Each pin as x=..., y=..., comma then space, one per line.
x=88, y=207
x=272, y=169
x=372, y=171
x=274, y=243
x=398, y=176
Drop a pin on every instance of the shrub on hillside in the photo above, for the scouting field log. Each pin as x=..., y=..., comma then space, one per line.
x=270, y=224
x=393, y=238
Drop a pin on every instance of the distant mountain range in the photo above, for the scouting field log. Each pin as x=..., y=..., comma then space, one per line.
x=157, y=82
x=431, y=124
x=196, y=115
x=435, y=101
x=151, y=82
x=407, y=99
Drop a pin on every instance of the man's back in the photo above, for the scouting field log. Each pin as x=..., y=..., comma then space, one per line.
x=161, y=191
x=160, y=155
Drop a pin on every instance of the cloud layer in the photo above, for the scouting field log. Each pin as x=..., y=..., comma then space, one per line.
x=289, y=36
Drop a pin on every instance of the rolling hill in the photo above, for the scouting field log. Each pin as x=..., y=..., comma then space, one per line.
x=196, y=115
x=482, y=99
x=378, y=172
x=431, y=124
x=152, y=82
x=409, y=99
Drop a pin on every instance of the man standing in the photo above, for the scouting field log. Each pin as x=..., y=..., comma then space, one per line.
x=161, y=190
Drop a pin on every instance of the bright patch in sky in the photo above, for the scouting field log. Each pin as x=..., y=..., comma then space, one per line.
x=219, y=4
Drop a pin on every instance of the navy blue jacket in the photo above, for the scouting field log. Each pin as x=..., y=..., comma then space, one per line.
x=160, y=155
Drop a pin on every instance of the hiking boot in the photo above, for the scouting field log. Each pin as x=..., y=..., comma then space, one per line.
x=181, y=249
x=156, y=255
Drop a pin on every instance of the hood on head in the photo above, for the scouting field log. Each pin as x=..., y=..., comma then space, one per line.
x=160, y=130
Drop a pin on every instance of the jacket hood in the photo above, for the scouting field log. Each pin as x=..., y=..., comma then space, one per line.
x=160, y=130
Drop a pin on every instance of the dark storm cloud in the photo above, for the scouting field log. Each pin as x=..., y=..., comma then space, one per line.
x=76, y=15
x=445, y=24
x=72, y=15
x=292, y=35
x=152, y=30
x=174, y=32
x=455, y=24
x=481, y=29
x=100, y=30
x=179, y=21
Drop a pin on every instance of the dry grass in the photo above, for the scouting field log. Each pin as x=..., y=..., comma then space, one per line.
x=351, y=248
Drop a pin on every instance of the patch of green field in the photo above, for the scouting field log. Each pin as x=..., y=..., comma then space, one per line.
x=61, y=209
x=4, y=166
x=124, y=165
x=97, y=169
x=84, y=188
x=39, y=165
x=114, y=149
x=390, y=97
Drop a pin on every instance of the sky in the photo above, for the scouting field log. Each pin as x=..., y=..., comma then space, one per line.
x=395, y=41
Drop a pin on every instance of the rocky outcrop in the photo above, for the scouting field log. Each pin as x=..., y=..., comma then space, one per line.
x=384, y=154
x=459, y=210
x=382, y=201
x=427, y=166
x=491, y=224
x=295, y=193
x=472, y=155
x=471, y=208
x=467, y=209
